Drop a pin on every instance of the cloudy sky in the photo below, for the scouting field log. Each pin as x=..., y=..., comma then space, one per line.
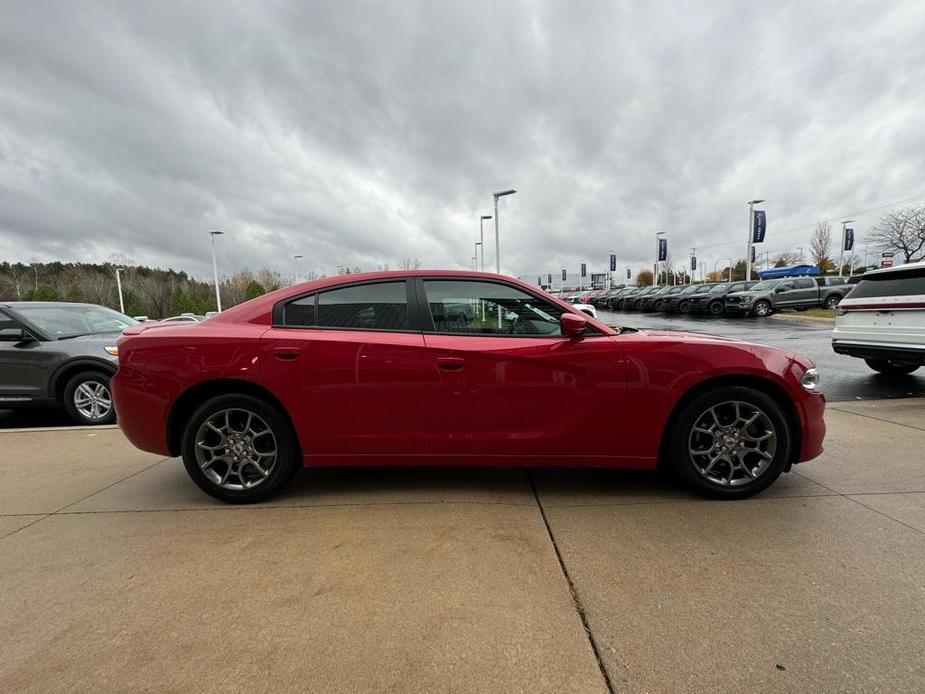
x=362, y=133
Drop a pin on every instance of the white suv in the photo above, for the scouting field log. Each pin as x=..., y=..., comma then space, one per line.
x=882, y=320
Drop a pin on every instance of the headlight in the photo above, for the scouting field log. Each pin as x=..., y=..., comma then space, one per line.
x=112, y=350
x=810, y=380
x=746, y=298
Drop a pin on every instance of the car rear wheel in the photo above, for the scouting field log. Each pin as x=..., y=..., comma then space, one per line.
x=762, y=309
x=239, y=449
x=891, y=368
x=730, y=443
x=715, y=308
x=832, y=301
x=87, y=398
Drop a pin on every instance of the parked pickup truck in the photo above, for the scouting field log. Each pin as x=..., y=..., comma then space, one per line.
x=787, y=293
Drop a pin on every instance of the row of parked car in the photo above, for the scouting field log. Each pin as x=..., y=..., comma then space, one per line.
x=749, y=298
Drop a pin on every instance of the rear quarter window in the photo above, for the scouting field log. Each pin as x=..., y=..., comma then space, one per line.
x=900, y=283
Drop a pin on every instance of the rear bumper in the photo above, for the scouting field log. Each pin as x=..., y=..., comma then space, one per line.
x=880, y=350
x=142, y=405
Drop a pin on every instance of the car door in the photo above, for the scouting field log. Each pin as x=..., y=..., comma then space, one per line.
x=506, y=386
x=784, y=294
x=25, y=365
x=805, y=292
x=349, y=365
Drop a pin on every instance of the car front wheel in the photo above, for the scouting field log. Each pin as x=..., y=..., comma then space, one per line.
x=87, y=399
x=730, y=443
x=716, y=308
x=891, y=368
x=762, y=309
x=239, y=449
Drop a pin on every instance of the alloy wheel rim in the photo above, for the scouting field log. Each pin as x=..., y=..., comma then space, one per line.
x=236, y=449
x=761, y=309
x=93, y=400
x=732, y=443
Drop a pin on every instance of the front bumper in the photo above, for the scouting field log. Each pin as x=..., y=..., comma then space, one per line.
x=738, y=308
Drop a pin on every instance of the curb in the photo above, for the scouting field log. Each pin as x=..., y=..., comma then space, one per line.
x=76, y=427
x=804, y=319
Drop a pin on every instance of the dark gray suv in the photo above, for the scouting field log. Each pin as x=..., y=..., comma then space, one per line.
x=59, y=354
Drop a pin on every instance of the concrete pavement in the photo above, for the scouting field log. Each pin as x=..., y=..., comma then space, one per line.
x=116, y=573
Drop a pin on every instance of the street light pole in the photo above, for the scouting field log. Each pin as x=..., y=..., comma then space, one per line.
x=729, y=279
x=499, y=194
x=119, y=270
x=841, y=250
x=482, y=237
x=477, y=250
x=658, y=235
x=218, y=296
x=295, y=262
x=748, y=247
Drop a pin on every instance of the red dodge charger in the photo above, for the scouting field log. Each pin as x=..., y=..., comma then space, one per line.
x=456, y=368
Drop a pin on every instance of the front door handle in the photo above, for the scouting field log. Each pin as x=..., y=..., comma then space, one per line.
x=287, y=353
x=450, y=363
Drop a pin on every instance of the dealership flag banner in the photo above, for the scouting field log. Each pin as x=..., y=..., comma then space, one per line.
x=563, y=274
x=753, y=254
x=584, y=270
x=613, y=262
x=849, y=239
x=693, y=263
x=539, y=280
x=629, y=273
x=662, y=250
x=549, y=279
x=761, y=223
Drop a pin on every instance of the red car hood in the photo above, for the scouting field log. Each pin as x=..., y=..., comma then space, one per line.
x=706, y=338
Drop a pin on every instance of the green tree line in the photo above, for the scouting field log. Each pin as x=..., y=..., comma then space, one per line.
x=146, y=291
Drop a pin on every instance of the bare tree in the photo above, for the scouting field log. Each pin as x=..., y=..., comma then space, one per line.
x=410, y=264
x=902, y=231
x=820, y=244
x=786, y=259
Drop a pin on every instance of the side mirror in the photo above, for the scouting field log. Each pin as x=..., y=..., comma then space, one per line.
x=26, y=338
x=572, y=324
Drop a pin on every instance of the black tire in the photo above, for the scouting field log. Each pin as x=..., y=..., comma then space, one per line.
x=659, y=306
x=684, y=307
x=681, y=441
x=285, y=465
x=762, y=308
x=891, y=368
x=88, y=392
x=715, y=308
x=831, y=301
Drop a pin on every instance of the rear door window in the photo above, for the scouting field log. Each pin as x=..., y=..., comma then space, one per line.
x=378, y=306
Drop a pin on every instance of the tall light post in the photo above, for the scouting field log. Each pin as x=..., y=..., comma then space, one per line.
x=841, y=250
x=482, y=237
x=119, y=271
x=218, y=297
x=478, y=244
x=800, y=259
x=658, y=235
x=295, y=263
x=499, y=194
x=748, y=247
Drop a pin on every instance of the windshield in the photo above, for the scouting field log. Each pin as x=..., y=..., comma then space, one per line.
x=719, y=288
x=70, y=321
x=767, y=284
x=691, y=289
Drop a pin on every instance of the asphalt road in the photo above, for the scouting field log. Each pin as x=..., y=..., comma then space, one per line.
x=843, y=378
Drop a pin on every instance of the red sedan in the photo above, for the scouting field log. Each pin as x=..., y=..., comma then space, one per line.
x=456, y=368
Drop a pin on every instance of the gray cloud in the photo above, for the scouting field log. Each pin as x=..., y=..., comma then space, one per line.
x=363, y=133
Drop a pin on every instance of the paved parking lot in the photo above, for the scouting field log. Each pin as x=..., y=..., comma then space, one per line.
x=843, y=378
x=118, y=574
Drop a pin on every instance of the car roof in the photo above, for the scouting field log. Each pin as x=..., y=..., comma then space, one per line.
x=45, y=304
x=896, y=268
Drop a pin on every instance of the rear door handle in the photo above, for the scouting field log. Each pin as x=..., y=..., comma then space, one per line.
x=450, y=363
x=287, y=353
